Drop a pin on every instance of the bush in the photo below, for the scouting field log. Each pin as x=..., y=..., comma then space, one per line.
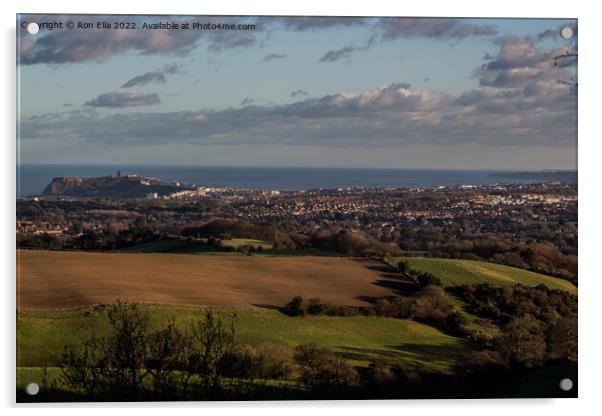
x=425, y=279
x=432, y=305
x=321, y=366
x=113, y=367
x=524, y=341
x=169, y=352
x=484, y=367
x=381, y=375
x=316, y=307
x=400, y=308
x=403, y=267
x=455, y=322
x=272, y=362
x=562, y=338
x=294, y=307
x=267, y=362
x=238, y=362
x=213, y=345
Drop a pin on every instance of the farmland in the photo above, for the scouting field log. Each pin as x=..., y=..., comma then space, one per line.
x=55, y=279
x=453, y=272
x=63, y=297
x=44, y=334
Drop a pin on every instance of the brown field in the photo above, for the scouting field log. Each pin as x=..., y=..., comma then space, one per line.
x=59, y=279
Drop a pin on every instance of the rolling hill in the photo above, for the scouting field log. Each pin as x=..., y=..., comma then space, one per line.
x=454, y=272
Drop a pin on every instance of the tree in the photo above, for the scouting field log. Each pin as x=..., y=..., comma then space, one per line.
x=169, y=360
x=426, y=278
x=320, y=366
x=524, y=341
x=112, y=367
x=133, y=363
x=213, y=342
x=562, y=338
x=294, y=307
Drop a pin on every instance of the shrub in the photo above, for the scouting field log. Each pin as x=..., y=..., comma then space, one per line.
x=403, y=267
x=562, y=338
x=432, y=304
x=400, y=308
x=381, y=375
x=169, y=352
x=112, y=367
x=321, y=366
x=294, y=307
x=272, y=362
x=238, y=362
x=316, y=307
x=524, y=341
x=456, y=322
x=425, y=279
x=213, y=344
x=484, y=367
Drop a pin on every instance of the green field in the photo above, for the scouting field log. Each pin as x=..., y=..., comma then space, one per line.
x=183, y=246
x=43, y=335
x=454, y=272
x=239, y=242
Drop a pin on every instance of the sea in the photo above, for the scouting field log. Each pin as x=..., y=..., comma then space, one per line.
x=33, y=178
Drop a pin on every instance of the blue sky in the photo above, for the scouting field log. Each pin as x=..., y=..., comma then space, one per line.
x=401, y=93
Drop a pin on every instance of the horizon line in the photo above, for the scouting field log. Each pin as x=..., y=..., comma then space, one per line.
x=297, y=167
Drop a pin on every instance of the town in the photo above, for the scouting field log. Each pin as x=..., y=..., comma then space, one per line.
x=525, y=225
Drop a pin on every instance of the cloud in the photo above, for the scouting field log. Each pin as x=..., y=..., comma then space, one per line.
x=520, y=100
x=147, y=77
x=230, y=40
x=554, y=34
x=520, y=64
x=157, y=76
x=394, y=115
x=273, y=56
x=124, y=99
x=247, y=101
x=435, y=28
x=304, y=23
x=335, y=55
x=73, y=46
x=299, y=93
x=392, y=28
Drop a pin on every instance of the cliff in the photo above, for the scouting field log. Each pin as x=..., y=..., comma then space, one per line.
x=118, y=187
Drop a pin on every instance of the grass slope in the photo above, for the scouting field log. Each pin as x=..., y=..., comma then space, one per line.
x=239, y=242
x=454, y=272
x=42, y=335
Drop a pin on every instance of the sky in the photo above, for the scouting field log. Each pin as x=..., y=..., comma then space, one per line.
x=299, y=91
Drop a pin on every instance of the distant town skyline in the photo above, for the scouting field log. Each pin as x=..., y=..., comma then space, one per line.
x=299, y=91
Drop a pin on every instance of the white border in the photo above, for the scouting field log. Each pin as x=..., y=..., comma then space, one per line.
x=589, y=173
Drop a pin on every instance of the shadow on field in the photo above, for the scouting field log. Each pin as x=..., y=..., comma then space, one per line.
x=420, y=356
x=267, y=306
x=389, y=279
x=399, y=287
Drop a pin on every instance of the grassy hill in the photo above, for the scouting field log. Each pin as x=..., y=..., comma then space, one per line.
x=454, y=272
x=43, y=334
x=239, y=242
